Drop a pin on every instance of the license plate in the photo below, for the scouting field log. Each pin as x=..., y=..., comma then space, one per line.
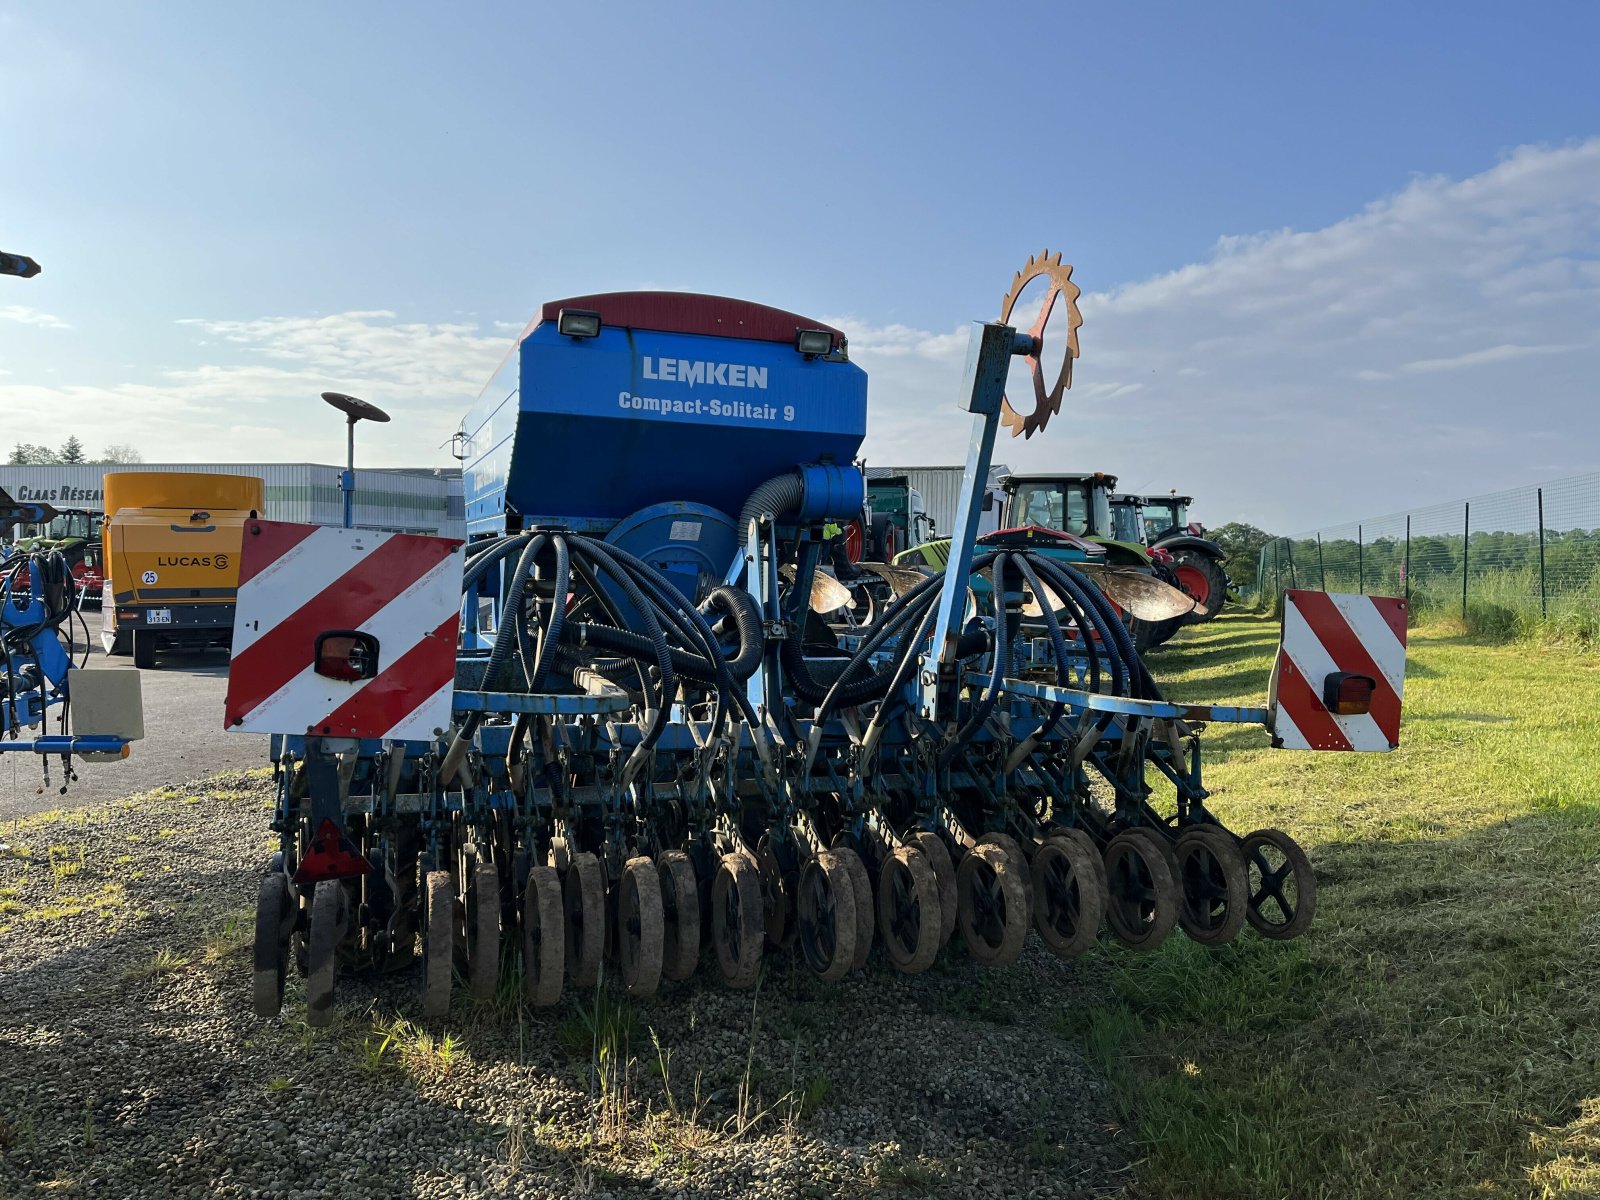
x=159, y=616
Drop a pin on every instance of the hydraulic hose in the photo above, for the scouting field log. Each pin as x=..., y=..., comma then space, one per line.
x=741, y=611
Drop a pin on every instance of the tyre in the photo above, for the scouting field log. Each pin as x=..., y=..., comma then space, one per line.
x=1203, y=578
x=144, y=649
x=1142, y=894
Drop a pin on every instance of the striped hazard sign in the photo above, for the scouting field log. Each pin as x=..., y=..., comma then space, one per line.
x=344, y=632
x=1340, y=672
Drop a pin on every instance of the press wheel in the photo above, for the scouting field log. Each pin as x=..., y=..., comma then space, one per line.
x=1216, y=886
x=992, y=905
x=680, y=910
x=1069, y=899
x=944, y=870
x=274, y=920
x=866, y=904
x=1015, y=853
x=544, y=943
x=483, y=931
x=438, y=942
x=584, y=901
x=1143, y=900
x=777, y=904
x=738, y=921
x=330, y=910
x=825, y=913
x=641, y=927
x=908, y=910
x=1282, y=886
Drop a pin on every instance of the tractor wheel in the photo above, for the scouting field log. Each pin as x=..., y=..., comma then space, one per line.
x=144, y=649
x=1203, y=578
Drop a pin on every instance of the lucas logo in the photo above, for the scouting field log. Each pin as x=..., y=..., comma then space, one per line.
x=219, y=561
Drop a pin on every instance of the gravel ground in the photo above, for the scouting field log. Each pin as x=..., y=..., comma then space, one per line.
x=131, y=1065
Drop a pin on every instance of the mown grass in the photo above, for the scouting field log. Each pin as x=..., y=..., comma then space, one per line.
x=1438, y=1031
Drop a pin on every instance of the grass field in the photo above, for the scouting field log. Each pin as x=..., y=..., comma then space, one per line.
x=1437, y=1033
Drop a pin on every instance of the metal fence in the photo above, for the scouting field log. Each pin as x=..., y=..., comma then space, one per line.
x=1529, y=548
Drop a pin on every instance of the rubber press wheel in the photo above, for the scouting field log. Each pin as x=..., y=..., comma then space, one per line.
x=1069, y=894
x=738, y=919
x=825, y=913
x=483, y=949
x=438, y=942
x=866, y=902
x=585, y=903
x=274, y=918
x=908, y=910
x=641, y=927
x=1015, y=853
x=330, y=910
x=992, y=905
x=544, y=941
x=1282, y=887
x=680, y=913
x=938, y=856
x=1142, y=902
x=1211, y=872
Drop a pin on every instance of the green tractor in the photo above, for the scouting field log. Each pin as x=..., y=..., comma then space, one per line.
x=1162, y=523
x=76, y=533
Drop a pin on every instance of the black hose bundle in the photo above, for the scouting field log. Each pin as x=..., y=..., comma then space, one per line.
x=652, y=636
x=653, y=631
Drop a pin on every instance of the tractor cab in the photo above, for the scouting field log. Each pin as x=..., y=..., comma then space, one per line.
x=1127, y=521
x=1197, y=562
x=1075, y=503
x=1164, y=516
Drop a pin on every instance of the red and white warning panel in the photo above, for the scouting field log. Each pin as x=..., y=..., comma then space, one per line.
x=1340, y=673
x=344, y=632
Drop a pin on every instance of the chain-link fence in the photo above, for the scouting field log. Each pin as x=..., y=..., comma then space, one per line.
x=1511, y=558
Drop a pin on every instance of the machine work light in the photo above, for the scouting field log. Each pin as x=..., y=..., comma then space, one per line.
x=578, y=323
x=814, y=343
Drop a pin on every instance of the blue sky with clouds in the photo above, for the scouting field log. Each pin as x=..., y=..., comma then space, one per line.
x=1336, y=259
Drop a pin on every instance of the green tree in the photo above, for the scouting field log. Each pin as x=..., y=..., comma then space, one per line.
x=26, y=454
x=1241, y=548
x=72, y=451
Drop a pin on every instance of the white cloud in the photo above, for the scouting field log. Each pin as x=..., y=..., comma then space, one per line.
x=1437, y=344
x=22, y=314
x=263, y=403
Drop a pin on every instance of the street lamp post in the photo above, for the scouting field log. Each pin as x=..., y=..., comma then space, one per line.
x=354, y=409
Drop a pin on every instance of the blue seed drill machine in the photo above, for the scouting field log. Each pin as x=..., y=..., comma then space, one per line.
x=38, y=675
x=662, y=722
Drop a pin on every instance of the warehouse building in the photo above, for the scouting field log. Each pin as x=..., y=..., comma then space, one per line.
x=405, y=499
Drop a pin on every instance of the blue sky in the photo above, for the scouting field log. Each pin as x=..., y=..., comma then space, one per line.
x=1326, y=251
